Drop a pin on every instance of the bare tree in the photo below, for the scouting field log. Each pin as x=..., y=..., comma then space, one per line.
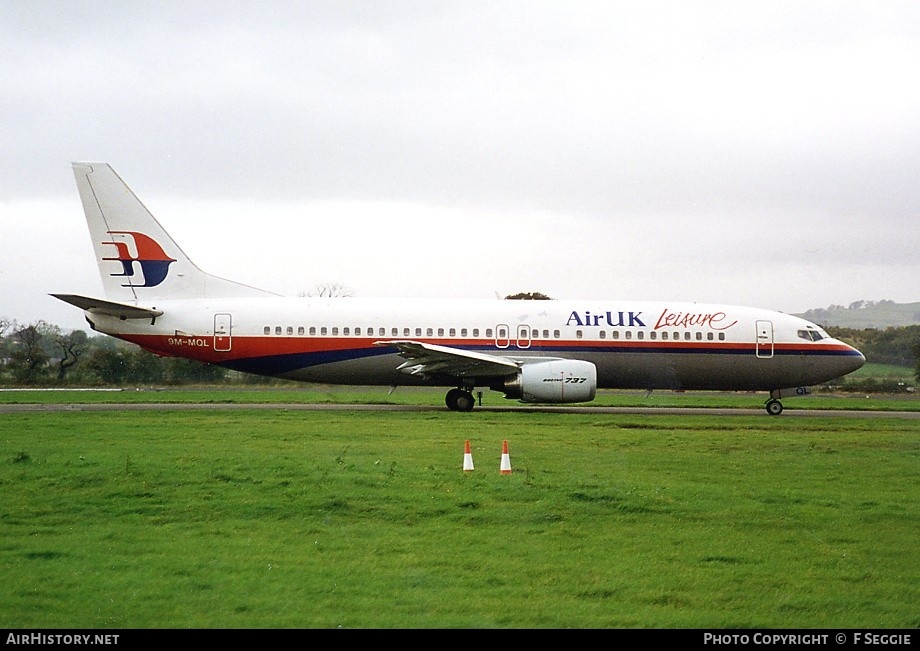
x=331, y=290
x=72, y=346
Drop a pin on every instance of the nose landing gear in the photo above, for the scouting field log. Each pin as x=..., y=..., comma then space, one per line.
x=774, y=407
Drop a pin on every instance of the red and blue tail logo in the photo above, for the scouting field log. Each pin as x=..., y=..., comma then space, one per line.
x=151, y=257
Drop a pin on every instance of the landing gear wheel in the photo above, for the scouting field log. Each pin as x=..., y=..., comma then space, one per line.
x=774, y=407
x=459, y=400
x=465, y=401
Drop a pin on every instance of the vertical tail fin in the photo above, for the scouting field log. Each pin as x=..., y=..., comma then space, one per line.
x=137, y=259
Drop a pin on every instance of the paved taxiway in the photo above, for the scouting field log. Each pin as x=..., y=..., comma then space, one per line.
x=677, y=411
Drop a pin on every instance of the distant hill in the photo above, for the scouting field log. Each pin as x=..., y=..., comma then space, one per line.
x=866, y=314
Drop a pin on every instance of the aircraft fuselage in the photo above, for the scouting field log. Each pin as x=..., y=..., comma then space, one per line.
x=633, y=344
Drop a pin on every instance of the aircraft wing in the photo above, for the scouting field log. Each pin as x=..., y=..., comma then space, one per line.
x=422, y=358
x=110, y=308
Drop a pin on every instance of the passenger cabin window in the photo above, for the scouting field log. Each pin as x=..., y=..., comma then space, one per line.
x=579, y=334
x=345, y=331
x=277, y=330
x=300, y=330
x=323, y=331
x=312, y=331
x=267, y=330
x=629, y=334
x=603, y=334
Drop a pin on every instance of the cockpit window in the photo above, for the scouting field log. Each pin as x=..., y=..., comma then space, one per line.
x=811, y=335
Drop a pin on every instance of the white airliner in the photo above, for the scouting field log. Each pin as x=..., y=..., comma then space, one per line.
x=549, y=351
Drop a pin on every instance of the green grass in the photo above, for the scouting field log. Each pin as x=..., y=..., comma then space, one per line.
x=320, y=394
x=284, y=519
x=886, y=371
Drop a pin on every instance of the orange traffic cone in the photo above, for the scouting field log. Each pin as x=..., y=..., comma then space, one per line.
x=506, y=460
x=467, y=458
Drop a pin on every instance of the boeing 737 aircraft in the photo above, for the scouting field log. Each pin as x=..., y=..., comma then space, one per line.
x=551, y=351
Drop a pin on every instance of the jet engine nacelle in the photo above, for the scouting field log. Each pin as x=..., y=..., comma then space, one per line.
x=558, y=380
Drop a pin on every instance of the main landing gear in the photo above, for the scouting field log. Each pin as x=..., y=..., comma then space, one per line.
x=459, y=400
x=774, y=407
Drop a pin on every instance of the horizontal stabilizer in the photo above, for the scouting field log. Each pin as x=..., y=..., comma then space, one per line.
x=109, y=308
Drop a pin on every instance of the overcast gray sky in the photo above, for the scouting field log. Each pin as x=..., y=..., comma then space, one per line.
x=761, y=153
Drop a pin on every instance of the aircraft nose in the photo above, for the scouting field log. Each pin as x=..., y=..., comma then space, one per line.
x=854, y=360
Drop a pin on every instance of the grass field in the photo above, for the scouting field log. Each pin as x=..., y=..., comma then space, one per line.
x=298, y=519
x=312, y=394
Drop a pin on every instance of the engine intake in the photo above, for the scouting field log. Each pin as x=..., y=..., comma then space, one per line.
x=560, y=380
